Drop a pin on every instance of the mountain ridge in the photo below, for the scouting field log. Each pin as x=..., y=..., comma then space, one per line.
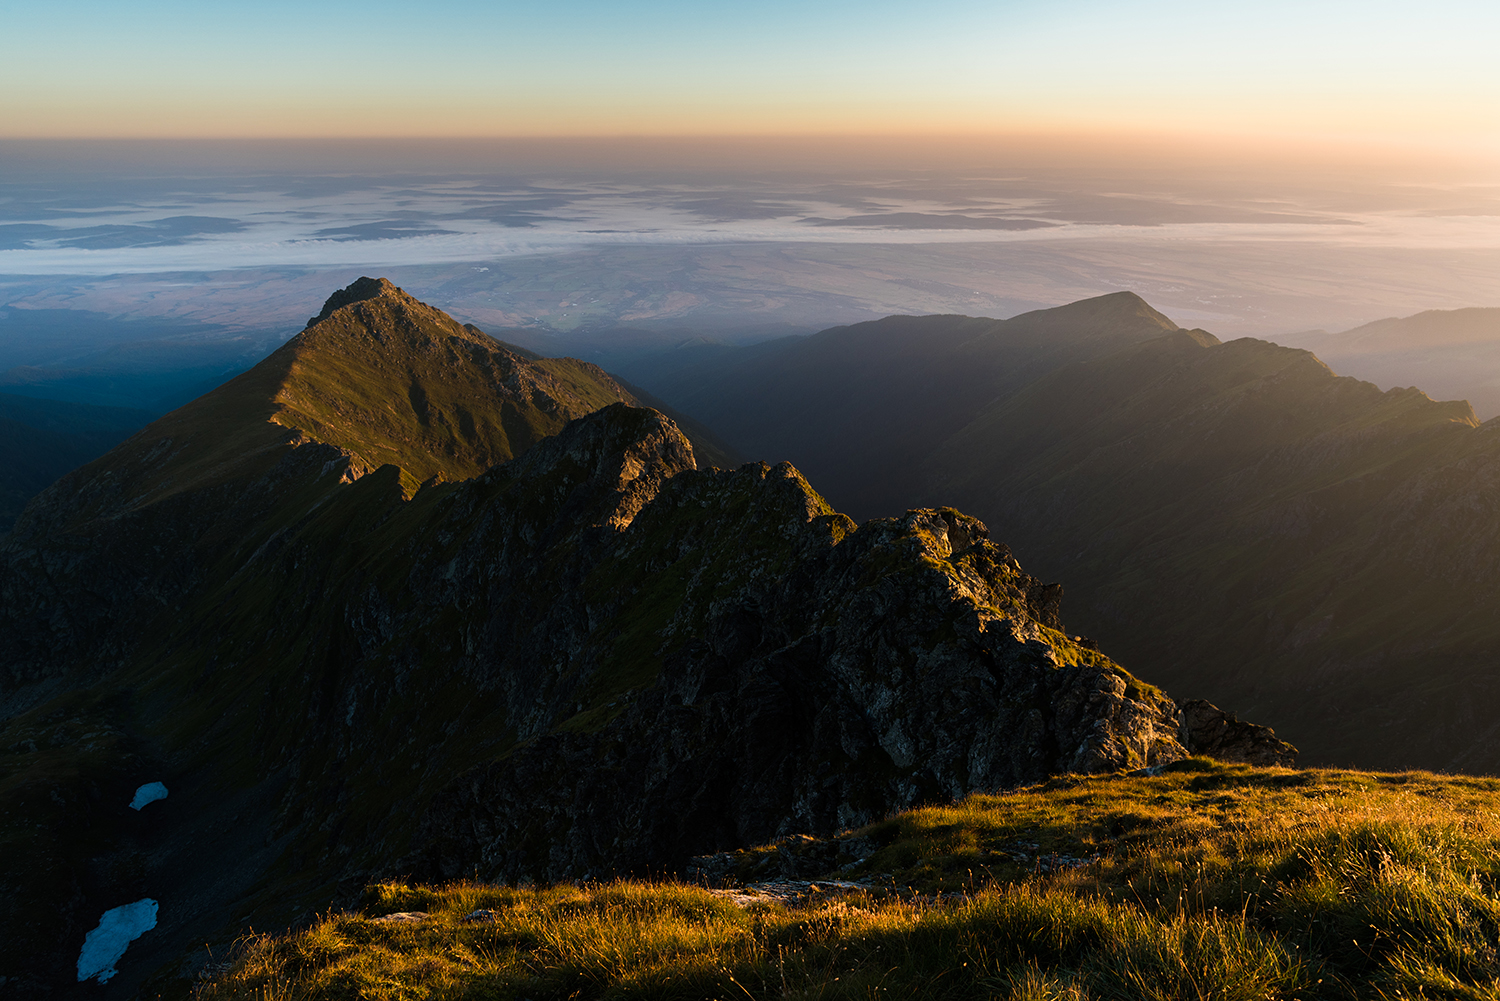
x=855, y=400
x=1451, y=352
x=345, y=397
x=1276, y=495
x=340, y=676
x=1189, y=489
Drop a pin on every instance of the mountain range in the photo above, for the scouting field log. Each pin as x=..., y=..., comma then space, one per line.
x=863, y=404
x=1298, y=546
x=1451, y=353
x=402, y=599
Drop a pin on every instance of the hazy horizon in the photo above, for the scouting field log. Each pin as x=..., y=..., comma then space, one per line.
x=1218, y=241
x=739, y=173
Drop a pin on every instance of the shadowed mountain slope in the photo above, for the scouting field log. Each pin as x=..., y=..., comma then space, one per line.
x=1301, y=546
x=41, y=440
x=859, y=405
x=377, y=379
x=593, y=658
x=1310, y=550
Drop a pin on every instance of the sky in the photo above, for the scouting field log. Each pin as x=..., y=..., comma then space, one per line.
x=1324, y=71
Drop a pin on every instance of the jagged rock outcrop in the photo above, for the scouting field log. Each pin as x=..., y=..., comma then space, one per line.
x=1210, y=731
x=865, y=670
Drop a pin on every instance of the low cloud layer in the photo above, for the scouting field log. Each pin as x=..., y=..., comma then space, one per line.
x=96, y=223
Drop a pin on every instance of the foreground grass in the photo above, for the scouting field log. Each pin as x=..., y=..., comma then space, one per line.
x=1207, y=881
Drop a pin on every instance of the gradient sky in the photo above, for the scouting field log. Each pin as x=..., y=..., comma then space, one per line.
x=1328, y=70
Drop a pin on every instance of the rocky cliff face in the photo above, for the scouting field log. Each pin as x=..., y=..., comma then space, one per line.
x=593, y=658
x=819, y=677
x=673, y=660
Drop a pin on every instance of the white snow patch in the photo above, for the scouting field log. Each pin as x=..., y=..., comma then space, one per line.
x=103, y=947
x=148, y=793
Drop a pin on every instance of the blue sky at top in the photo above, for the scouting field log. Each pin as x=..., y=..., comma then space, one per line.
x=1327, y=67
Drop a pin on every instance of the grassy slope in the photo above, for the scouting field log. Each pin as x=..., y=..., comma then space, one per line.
x=1325, y=548
x=1204, y=881
x=398, y=382
x=389, y=379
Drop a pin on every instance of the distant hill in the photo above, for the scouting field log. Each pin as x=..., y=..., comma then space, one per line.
x=1232, y=518
x=41, y=440
x=1450, y=353
x=1433, y=328
x=863, y=404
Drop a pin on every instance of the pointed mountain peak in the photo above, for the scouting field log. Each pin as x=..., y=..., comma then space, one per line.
x=1102, y=323
x=379, y=376
x=1118, y=306
x=361, y=290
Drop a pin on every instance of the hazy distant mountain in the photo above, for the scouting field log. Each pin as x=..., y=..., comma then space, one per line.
x=1434, y=328
x=863, y=404
x=41, y=440
x=1450, y=353
x=587, y=657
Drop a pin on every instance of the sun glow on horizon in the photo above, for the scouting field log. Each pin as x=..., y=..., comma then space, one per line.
x=1328, y=71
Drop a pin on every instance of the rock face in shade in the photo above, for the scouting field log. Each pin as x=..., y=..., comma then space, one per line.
x=825, y=678
x=1232, y=519
x=1212, y=732
x=362, y=649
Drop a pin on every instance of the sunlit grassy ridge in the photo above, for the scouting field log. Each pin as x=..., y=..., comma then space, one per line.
x=1204, y=881
x=396, y=381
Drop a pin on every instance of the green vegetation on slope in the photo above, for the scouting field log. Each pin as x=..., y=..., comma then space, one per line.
x=397, y=382
x=1203, y=881
x=386, y=378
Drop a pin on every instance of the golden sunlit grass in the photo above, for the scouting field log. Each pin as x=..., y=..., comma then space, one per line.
x=1207, y=881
